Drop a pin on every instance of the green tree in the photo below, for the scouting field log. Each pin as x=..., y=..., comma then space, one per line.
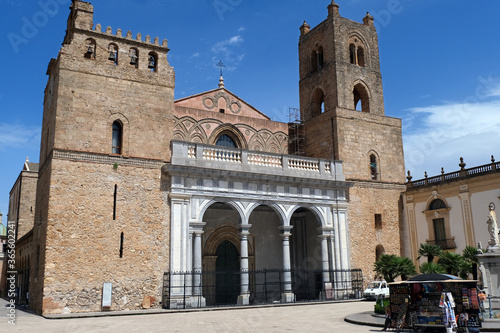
x=390, y=267
x=430, y=251
x=464, y=269
x=405, y=267
x=432, y=267
x=470, y=255
x=451, y=262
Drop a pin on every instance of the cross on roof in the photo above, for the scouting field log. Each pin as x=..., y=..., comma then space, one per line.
x=221, y=65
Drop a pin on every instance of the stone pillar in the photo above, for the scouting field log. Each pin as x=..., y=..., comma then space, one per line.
x=331, y=248
x=489, y=264
x=470, y=237
x=189, y=266
x=338, y=267
x=342, y=276
x=244, y=297
x=197, y=256
x=179, y=248
x=325, y=260
x=287, y=296
x=325, y=234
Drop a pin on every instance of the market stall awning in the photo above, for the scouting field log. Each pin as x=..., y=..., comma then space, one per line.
x=434, y=277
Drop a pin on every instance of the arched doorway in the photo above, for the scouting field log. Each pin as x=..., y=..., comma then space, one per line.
x=227, y=268
x=305, y=251
x=221, y=254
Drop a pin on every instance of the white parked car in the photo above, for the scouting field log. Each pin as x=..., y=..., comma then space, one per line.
x=377, y=289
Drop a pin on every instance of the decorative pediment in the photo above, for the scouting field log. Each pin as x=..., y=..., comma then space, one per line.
x=221, y=101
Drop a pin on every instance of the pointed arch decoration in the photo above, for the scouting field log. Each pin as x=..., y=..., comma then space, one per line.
x=361, y=97
x=231, y=131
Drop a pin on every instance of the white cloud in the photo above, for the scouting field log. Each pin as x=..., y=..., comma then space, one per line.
x=241, y=29
x=439, y=135
x=195, y=55
x=226, y=47
x=17, y=136
x=235, y=40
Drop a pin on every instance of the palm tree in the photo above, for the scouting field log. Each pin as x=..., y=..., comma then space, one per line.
x=464, y=269
x=432, y=267
x=405, y=267
x=470, y=255
x=386, y=267
x=390, y=267
x=430, y=251
x=451, y=262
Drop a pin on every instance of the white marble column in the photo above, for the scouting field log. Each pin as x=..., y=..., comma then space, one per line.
x=189, y=266
x=325, y=260
x=244, y=297
x=197, y=228
x=179, y=248
x=287, y=296
x=331, y=248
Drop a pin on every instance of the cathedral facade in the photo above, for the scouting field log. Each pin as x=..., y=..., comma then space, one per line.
x=140, y=196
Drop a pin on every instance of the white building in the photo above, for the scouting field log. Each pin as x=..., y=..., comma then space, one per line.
x=450, y=209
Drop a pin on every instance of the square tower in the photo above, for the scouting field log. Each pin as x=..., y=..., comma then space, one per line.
x=100, y=209
x=342, y=106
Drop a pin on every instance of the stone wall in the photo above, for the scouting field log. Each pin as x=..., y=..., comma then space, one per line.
x=366, y=200
x=26, y=202
x=361, y=135
x=83, y=240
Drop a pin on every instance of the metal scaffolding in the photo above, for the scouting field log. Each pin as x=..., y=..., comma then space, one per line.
x=296, y=133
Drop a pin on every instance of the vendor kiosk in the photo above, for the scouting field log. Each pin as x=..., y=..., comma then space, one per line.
x=435, y=300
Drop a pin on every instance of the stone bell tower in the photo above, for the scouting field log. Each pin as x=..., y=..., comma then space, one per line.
x=342, y=106
x=106, y=131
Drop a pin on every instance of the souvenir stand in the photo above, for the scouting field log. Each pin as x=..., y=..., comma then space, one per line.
x=435, y=300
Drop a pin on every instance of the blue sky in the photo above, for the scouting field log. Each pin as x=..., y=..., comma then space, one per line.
x=439, y=62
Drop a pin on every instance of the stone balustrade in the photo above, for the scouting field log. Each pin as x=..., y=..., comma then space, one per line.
x=231, y=159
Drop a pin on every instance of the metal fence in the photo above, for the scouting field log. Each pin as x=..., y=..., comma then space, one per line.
x=222, y=288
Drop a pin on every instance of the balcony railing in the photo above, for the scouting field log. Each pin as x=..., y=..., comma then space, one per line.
x=454, y=176
x=215, y=157
x=445, y=244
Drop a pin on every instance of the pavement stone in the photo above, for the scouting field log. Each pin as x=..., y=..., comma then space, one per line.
x=344, y=317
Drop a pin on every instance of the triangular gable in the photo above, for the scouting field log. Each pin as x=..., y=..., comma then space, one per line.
x=221, y=100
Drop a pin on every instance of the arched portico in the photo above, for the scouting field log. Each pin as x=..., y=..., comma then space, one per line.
x=276, y=225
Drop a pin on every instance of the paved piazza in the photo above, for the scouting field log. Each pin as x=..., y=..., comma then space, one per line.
x=301, y=318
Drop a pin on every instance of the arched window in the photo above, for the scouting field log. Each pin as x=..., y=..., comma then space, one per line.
x=113, y=53
x=153, y=61
x=437, y=204
x=225, y=141
x=116, y=145
x=134, y=57
x=379, y=250
x=352, y=54
x=373, y=167
x=356, y=52
x=361, y=56
x=318, y=102
x=314, y=61
x=361, y=98
x=317, y=60
x=319, y=57
x=90, y=47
